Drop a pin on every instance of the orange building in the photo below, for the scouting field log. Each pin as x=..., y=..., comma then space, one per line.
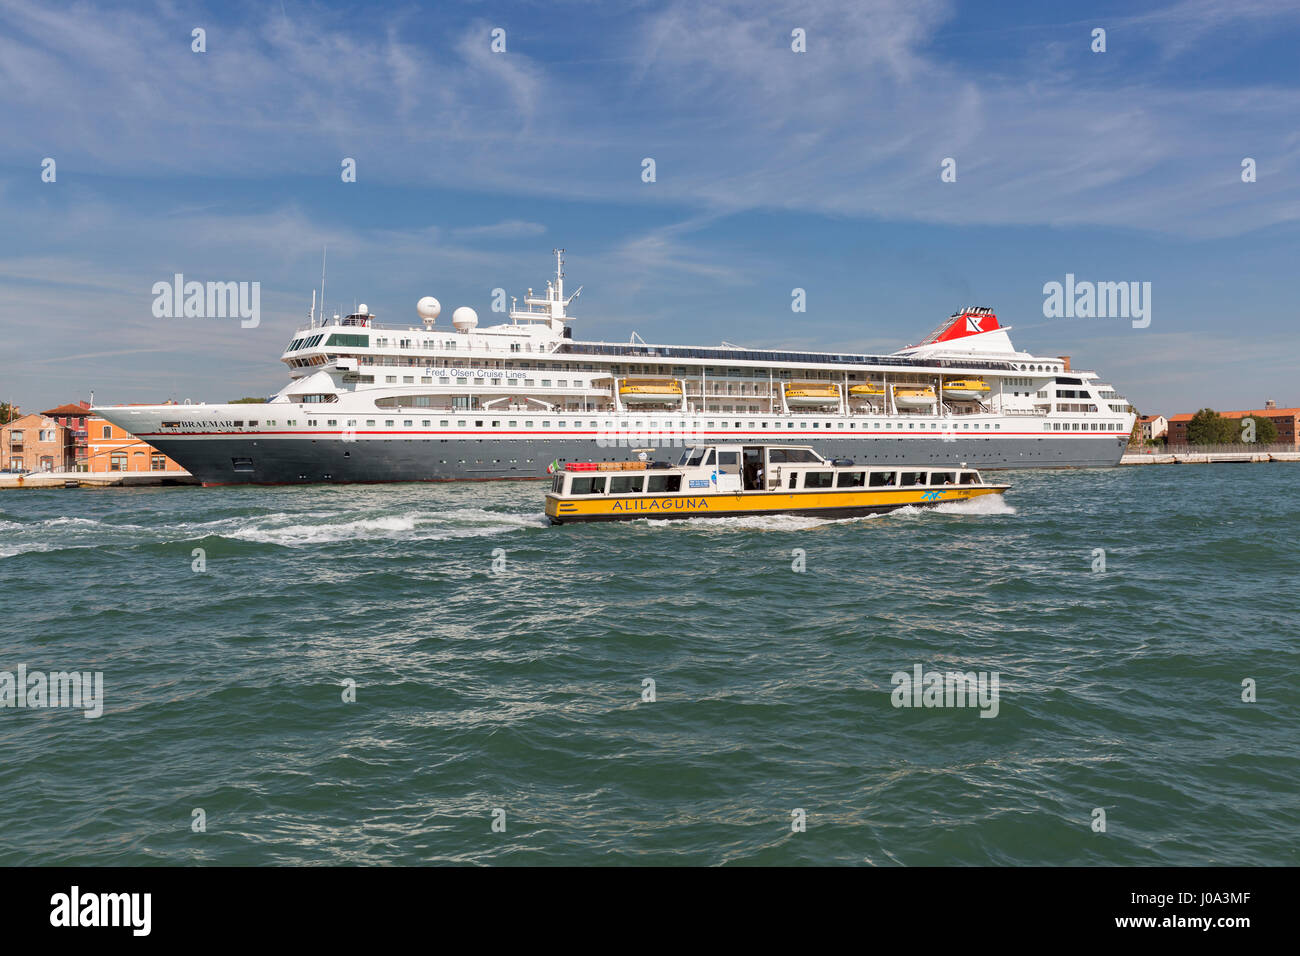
x=110, y=448
x=1285, y=420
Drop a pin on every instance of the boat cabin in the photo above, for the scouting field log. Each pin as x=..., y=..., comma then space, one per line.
x=705, y=469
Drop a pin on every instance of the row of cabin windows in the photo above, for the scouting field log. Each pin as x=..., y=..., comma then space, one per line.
x=562, y=423
x=458, y=380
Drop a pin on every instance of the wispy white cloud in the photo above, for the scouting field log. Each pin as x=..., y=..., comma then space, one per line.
x=506, y=229
x=855, y=126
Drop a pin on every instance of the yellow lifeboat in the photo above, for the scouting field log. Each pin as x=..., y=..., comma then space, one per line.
x=811, y=394
x=650, y=391
x=914, y=397
x=966, y=389
x=869, y=390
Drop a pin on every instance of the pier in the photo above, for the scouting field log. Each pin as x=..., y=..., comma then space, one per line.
x=96, y=479
x=1219, y=454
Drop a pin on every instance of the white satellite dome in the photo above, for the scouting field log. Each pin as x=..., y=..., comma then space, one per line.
x=363, y=309
x=428, y=308
x=464, y=318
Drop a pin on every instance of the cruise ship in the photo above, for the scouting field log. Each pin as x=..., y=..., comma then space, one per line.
x=423, y=401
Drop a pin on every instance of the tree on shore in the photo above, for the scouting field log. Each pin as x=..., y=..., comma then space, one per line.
x=246, y=401
x=1265, y=430
x=6, y=413
x=1208, y=427
x=1135, y=438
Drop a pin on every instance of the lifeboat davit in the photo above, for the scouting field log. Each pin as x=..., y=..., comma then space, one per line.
x=811, y=394
x=966, y=389
x=650, y=391
x=914, y=397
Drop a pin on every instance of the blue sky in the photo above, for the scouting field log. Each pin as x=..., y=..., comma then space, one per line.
x=775, y=170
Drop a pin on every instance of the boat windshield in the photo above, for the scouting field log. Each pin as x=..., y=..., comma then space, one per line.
x=691, y=457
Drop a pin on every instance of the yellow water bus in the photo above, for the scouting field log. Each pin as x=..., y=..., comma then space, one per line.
x=731, y=480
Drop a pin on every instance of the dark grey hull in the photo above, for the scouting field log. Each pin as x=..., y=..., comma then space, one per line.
x=240, y=460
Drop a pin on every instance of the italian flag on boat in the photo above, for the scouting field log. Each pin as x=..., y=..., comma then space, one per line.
x=553, y=467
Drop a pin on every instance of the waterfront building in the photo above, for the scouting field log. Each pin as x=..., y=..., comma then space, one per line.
x=73, y=416
x=1154, y=426
x=112, y=448
x=36, y=443
x=1286, y=420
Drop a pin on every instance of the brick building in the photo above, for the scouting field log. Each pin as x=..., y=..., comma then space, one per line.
x=73, y=415
x=1285, y=420
x=36, y=443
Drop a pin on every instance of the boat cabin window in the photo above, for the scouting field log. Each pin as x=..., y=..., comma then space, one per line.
x=777, y=456
x=665, y=483
x=850, y=479
x=557, y=484
x=942, y=478
x=970, y=478
x=907, y=478
x=708, y=458
x=588, y=485
x=817, y=479
x=729, y=461
x=626, y=484
x=884, y=479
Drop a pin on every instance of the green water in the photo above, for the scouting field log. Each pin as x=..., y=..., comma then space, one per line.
x=519, y=687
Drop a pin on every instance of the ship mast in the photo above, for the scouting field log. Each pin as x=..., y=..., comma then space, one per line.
x=552, y=309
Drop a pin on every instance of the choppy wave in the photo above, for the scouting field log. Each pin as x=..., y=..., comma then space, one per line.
x=285, y=528
x=412, y=526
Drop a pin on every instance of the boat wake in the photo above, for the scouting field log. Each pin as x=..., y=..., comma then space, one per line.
x=412, y=526
x=286, y=529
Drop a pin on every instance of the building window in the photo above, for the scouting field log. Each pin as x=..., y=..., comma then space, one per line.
x=117, y=461
x=108, y=431
x=157, y=463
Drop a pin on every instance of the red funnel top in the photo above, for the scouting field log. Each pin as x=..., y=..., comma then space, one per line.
x=964, y=323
